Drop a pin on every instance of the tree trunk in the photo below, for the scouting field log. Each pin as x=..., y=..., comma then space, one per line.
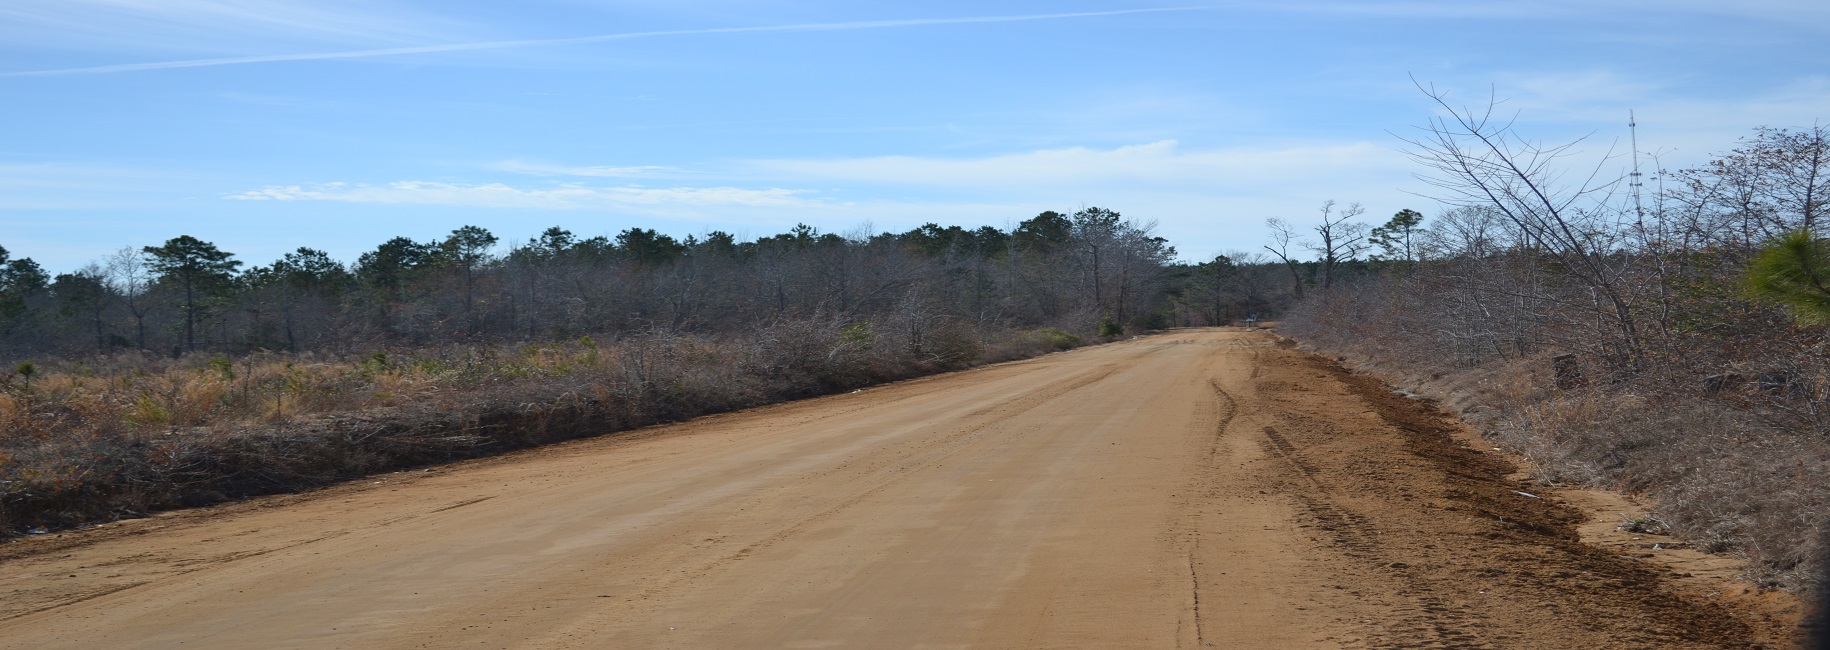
x=190, y=317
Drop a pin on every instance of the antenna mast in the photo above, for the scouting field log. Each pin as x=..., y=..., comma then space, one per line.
x=1634, y=183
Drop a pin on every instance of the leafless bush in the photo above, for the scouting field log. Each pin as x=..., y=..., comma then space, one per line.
x=1729, y=463
x=1669, y=380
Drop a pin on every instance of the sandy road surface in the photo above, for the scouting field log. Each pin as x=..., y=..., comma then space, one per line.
x=1193, y=489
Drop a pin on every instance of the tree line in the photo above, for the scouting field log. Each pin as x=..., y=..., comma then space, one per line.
x=1091, y=271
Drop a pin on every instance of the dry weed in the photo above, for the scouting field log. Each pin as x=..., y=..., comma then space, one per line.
x=1741, y=472
x=125, y=435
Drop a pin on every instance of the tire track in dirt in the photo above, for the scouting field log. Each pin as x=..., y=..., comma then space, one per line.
x=1439, y=534
x=900, y=467
x=1424, y=622
x=1227, y=409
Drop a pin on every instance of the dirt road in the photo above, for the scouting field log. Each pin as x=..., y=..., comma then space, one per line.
x=1192, y=489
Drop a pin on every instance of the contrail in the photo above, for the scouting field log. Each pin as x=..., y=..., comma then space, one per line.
x=497, y=45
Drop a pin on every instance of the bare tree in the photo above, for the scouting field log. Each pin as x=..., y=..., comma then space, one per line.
x=1252, y=282
x=1283, y=238
x=1342, y=239
x=1674, y=345
x=130, y=278
x=1775, y=182
x=1474, y=158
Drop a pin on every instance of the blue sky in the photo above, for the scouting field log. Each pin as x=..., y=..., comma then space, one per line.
x=264, y=125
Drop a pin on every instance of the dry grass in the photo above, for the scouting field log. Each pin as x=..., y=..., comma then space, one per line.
x=105, y=438
x=1735, y=473
x=1731, y=473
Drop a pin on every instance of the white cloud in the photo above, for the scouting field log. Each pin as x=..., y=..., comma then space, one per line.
x=1153, y=165
x=1204, y=200
x=500, y=195
x=541, y=169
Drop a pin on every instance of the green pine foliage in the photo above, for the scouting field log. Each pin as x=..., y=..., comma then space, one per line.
x=1794, y=271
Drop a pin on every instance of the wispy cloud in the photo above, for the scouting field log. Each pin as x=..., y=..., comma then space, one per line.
x=580, y=40
x=501, y=195
x=1413, y=9
x=541, y=169
x=1204, y=199
x=1801, y=13
x=1561, y=106
x=82, y=176
x=202, y=25
x=1156, y=164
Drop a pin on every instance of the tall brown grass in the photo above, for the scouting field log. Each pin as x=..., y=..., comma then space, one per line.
x=92, y=440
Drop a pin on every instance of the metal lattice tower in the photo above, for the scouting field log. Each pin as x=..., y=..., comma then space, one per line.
x=1634, y=183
